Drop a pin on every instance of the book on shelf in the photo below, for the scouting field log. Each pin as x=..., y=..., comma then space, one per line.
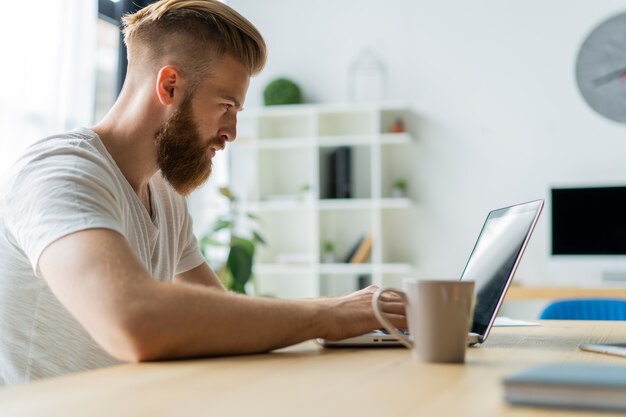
x=339, y=183
x=569, y=385
x=353, y=249
x=363, y=281
x=359, y=253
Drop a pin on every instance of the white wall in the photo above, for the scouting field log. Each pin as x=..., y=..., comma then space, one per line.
x=493, y=83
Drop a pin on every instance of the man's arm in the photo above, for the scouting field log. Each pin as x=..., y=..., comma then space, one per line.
x=202, y=275
x=97, y=277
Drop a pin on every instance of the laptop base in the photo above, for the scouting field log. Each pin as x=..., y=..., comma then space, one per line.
x=380, y=339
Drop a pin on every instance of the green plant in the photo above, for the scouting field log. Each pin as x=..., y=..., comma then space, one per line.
x=400, y=184
x=329, y=246
x=236, y=270
x=282, y=91
x=303, y=191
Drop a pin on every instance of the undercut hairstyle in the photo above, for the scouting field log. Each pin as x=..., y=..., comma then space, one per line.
x=194, y=33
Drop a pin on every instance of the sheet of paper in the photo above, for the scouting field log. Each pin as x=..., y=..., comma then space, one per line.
x=505, y=321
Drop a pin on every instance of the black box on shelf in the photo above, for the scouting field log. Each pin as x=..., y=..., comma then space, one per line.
x=340, y=173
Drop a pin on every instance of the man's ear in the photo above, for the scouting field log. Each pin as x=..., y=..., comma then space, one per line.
x=169, y=85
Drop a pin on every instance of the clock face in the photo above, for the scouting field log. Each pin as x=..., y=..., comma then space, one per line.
x=601, y=68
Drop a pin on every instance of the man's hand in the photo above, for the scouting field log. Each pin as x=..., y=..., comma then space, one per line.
x=352, y=315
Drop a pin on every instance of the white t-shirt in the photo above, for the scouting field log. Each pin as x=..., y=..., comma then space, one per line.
x=64, y=184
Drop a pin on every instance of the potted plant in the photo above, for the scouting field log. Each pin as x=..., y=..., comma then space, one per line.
x=234, y=272
x=328, y=254
x=304, y=192
x=399, y=189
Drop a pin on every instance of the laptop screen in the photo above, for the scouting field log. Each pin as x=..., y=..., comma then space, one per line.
x=495, y=257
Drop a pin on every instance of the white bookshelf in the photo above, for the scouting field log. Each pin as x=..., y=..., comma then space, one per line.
x=284, y=149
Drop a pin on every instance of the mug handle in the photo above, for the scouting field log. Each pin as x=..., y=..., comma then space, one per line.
x=384, y=321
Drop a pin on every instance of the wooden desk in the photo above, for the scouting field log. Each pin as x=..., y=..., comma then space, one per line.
x=517, y=292
x=306, y=380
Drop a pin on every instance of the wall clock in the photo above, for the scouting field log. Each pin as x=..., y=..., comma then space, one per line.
x=601, y=68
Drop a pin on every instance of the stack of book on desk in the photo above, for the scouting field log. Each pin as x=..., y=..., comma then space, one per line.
x=563, y=385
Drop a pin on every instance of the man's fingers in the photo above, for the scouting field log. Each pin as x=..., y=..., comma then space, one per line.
x=390, y=297
x=398, y=320
x=393, y=308
x=391, y=305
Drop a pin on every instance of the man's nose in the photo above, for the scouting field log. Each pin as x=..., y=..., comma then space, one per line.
x=229, y=131
x=228, y=135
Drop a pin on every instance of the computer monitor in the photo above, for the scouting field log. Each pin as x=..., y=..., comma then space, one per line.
x=589, y=221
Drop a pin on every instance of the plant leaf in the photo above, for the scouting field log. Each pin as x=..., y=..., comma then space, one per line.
x=253, y=217
x=207, y=241
x=224, y=276
x=258, y=238
x=240, y=263
x=245, y=244
x=222, y=224
x=225, y=191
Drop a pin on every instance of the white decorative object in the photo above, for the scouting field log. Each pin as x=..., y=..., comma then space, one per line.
x=367, y=78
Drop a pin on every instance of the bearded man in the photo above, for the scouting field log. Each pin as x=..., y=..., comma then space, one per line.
x=99, y=262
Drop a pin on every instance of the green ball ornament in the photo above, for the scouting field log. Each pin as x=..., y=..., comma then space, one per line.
x=282, y=91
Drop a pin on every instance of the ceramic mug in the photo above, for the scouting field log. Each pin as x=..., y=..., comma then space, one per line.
x=439, y=314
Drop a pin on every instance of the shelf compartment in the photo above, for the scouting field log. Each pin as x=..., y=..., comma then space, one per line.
x=278, y=228
x=396, y=268
x=243, y=185
x=332, y=285
x=344, y=229
x=342, y=123
x=284, y=126
x=399, y=226
x=246, y=130
x=391, y=203
x=393, y=275
x=283, y=173
x=286, y=286
x=360, y=167
x=397, y=163
x=389, y=118
x=393, y=281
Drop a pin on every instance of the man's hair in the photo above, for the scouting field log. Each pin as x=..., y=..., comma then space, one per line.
x=195, y=33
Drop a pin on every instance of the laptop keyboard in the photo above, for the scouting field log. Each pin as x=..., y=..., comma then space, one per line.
x=385, y=332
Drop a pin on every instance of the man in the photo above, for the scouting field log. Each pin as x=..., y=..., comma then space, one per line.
x=99, y=263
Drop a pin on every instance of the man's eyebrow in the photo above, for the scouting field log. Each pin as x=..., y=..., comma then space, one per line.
x=233, y=99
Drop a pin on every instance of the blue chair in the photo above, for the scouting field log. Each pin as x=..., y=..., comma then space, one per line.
x=585, y=309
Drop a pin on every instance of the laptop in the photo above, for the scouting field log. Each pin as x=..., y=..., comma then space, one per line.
x=491, y=265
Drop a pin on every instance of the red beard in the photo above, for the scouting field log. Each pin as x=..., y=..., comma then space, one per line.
x=185, y=162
